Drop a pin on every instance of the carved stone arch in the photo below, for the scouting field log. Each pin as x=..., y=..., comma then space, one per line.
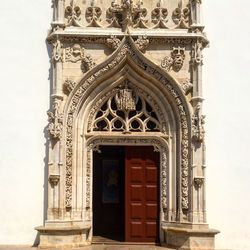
x=126, y=56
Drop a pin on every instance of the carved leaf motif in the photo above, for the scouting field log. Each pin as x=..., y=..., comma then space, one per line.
x=73, y=14
x=159, y=16
x=181, y=16
x=93, y=15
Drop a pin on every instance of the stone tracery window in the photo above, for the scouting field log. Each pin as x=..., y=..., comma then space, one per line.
x=126, y=111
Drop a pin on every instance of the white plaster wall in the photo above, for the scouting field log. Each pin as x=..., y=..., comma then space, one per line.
x=24, y=101
x=23, y=106
x=227, y=106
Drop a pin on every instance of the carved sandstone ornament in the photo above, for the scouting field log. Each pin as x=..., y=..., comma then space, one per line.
x=186, y=86
x=196, y=55
x=68, y=86
x=54, y=179
x=113, y=42
x=127, y=50
x=198, y=121
x=159, y=16
x=77, y=53
x=73, y=14
x=176, y=60
x=142, y=43
x=127, y=15
x=55, y=119
x=125, y=99
x=181, y=16
x=198, y=182
x=57, y=51
x=93, y=15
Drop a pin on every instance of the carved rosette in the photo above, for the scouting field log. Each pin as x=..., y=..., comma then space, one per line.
x=127, y=49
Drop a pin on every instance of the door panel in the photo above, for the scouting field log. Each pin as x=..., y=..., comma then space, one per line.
x=141, y=195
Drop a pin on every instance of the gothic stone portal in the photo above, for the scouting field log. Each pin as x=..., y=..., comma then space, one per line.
x=139, y=87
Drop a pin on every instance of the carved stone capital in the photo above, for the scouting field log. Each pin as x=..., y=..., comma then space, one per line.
x=54, y=179
x=198, y=182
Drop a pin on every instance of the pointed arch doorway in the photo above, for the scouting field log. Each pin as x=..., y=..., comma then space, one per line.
x=126, y=194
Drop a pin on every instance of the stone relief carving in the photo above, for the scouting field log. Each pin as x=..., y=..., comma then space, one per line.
x=68, y=86
x=142, y=43
x=196, y=54
x=77, y=53
x=55, y=119
x=186, y=86
x=159, y=16
x=113, y=42
x=73, y=14
x=93, y=15
x=198, y=121
x=128, y=50
x=181, y=16
x=127, y=14
x=57, y=51
x=176, y=60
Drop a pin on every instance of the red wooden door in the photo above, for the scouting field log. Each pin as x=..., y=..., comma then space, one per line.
x=141, y=195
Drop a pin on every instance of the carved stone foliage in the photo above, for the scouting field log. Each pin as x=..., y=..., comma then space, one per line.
x=113, y=42
x=181, y=16
x=127, y=14
x=54, y=179
x=142, y=43
x=68, y=86
x=198, y=182
x=198, y=121
x=73, y=14
x=55, y=119
x=77, y=53
x=176, y=60
x=93, y=15
x=159, y=16
x=128, y=50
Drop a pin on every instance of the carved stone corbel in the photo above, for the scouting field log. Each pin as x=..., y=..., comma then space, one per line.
x=73, y=14
x=198, y=182
x=181, y=16
x=54, y=179
x=68, y=86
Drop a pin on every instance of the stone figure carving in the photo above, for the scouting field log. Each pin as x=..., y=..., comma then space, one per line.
x=197, y=57
x=198, y=122
x=68, y=86
x=181, y=15
x=186, y=86
x=55, y=126
x=93, y=15
x=142, y=43
x=159, y=16
x=113, y=42
x=57, y=51
x=73, y=14
x=127, y=14
x=74, y=53
x=77, y=53
x=175, y=61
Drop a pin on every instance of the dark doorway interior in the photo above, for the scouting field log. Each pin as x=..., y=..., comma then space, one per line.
x=126, y=194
